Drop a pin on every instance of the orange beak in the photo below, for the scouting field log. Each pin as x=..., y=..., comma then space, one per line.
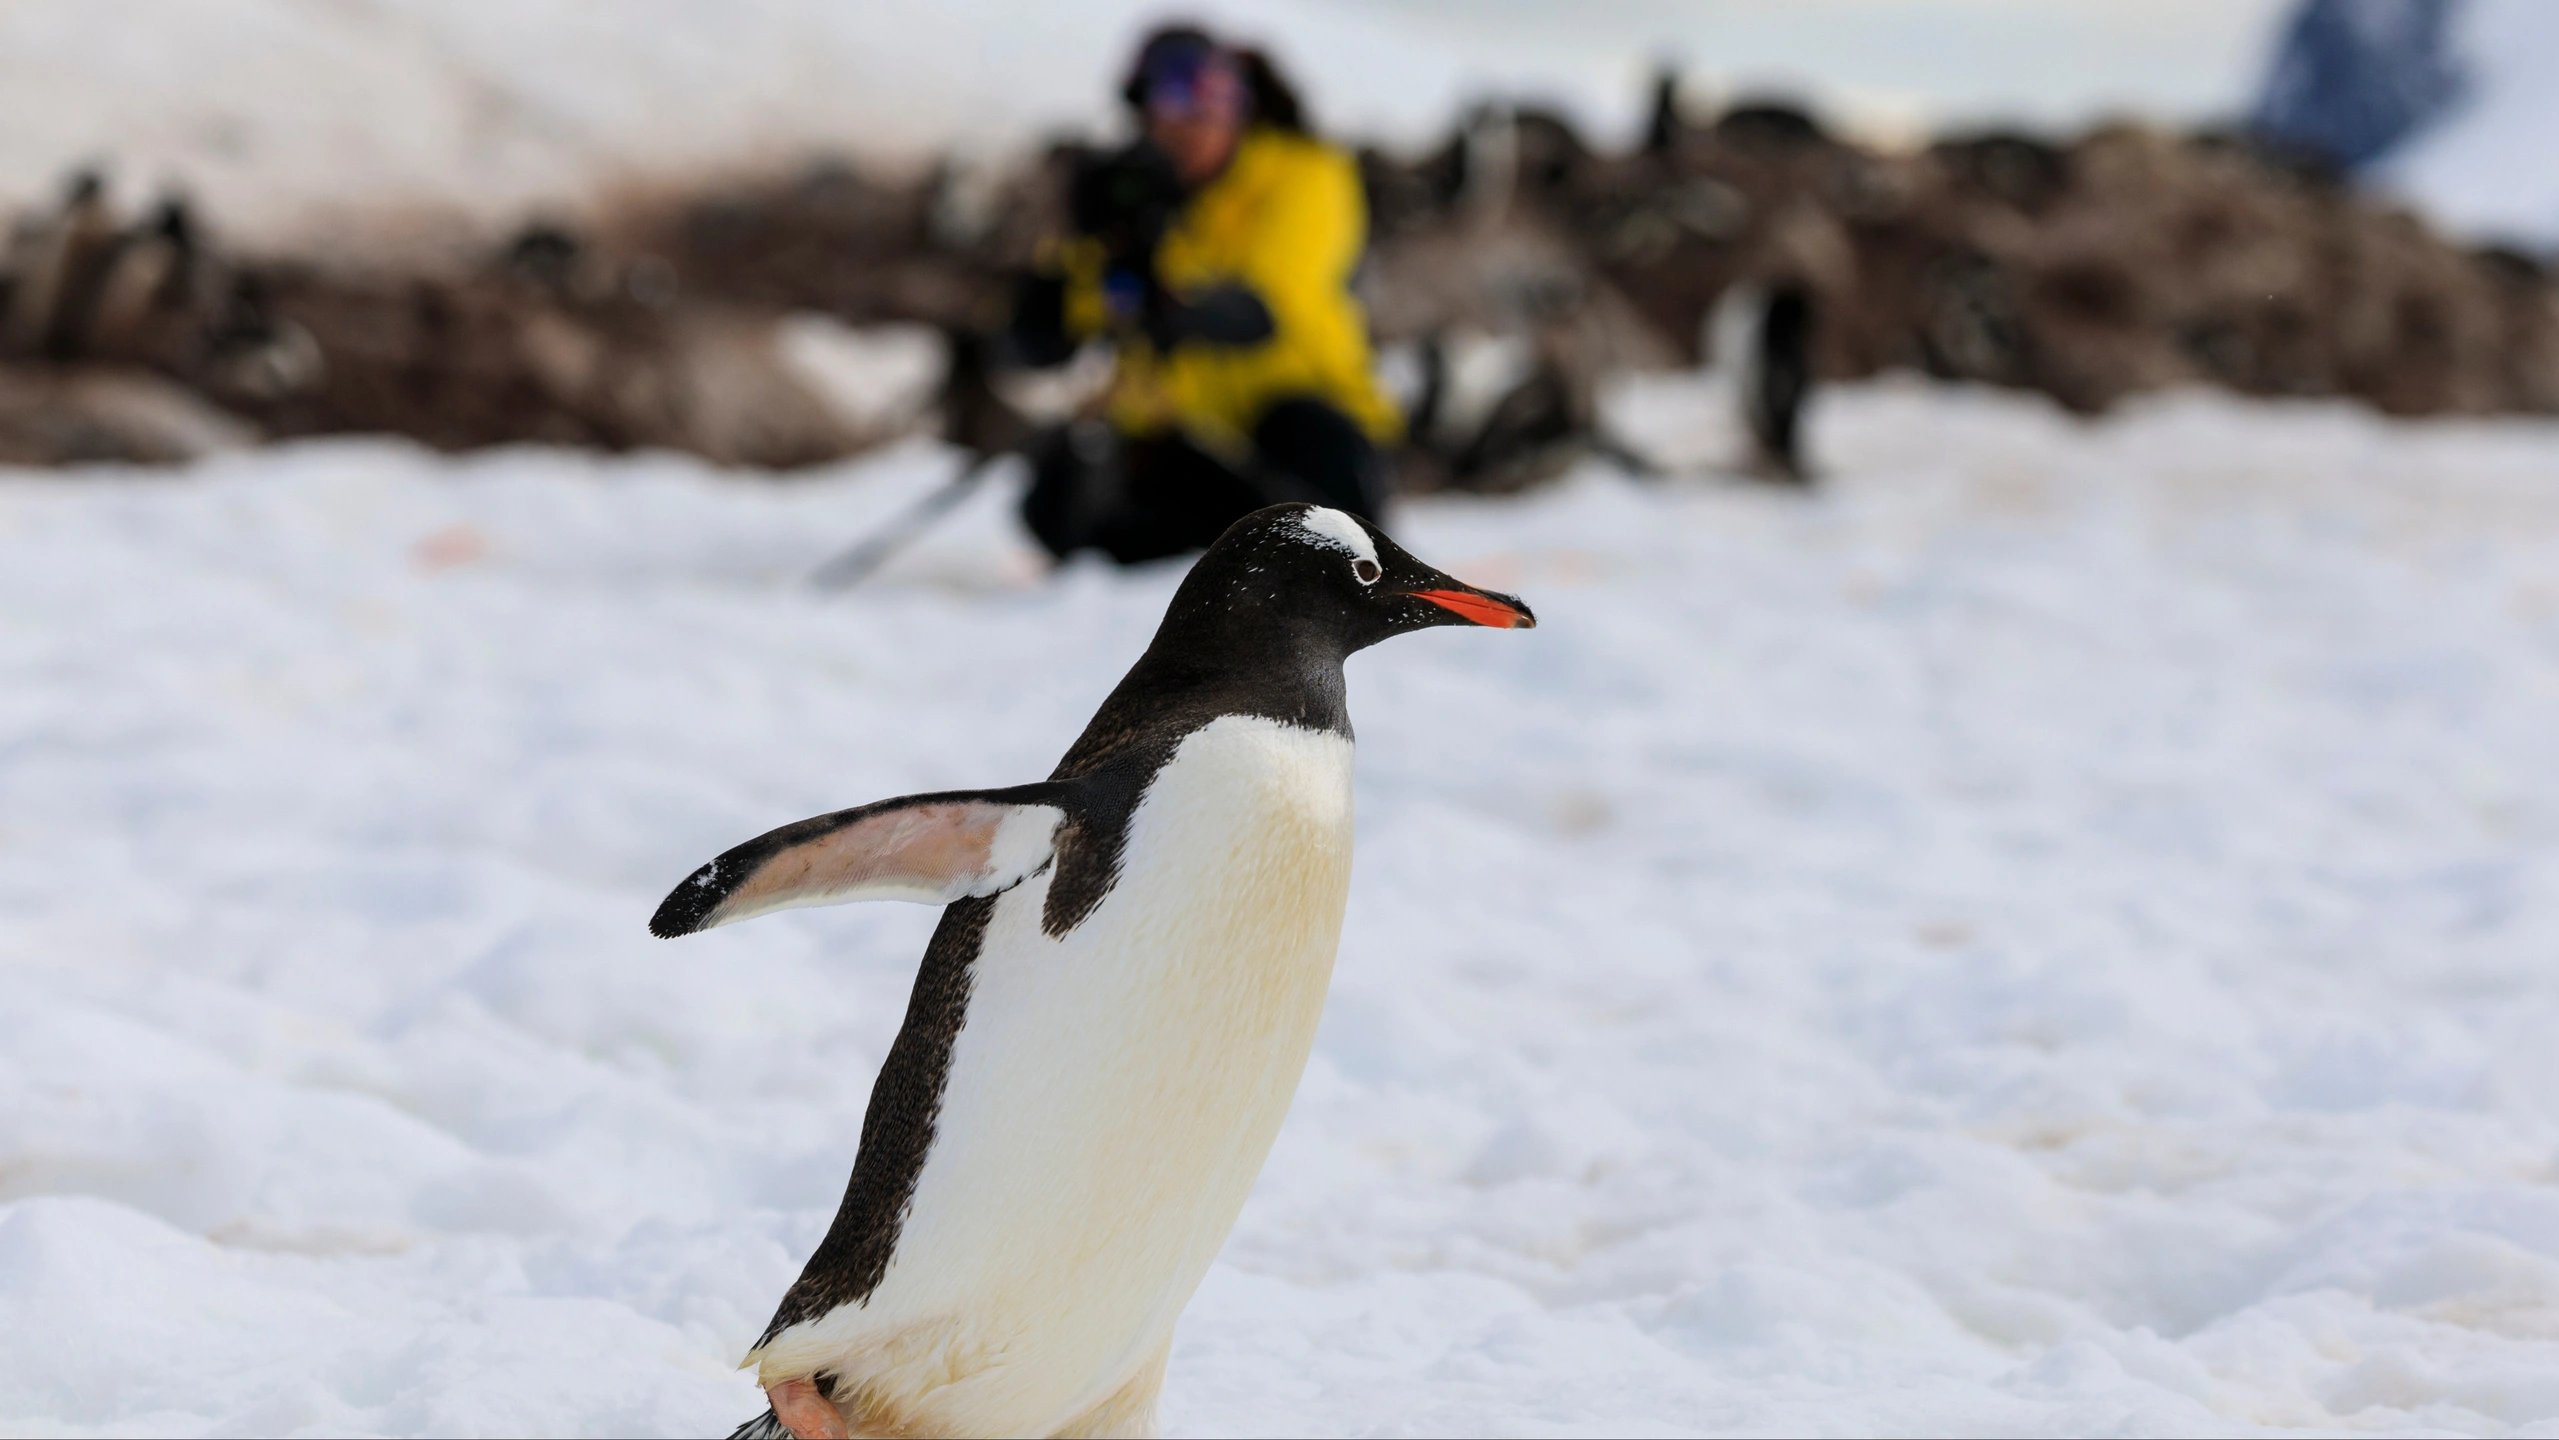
x=1482, y=609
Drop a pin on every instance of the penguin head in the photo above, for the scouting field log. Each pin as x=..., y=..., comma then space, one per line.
x=1333, y=581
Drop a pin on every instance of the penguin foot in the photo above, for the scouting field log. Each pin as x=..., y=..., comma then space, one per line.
x=805, y=1412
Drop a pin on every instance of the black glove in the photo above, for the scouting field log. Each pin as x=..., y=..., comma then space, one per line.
x=1227, y=314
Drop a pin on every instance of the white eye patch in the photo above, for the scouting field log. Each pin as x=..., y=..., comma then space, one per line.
x=1341, y=532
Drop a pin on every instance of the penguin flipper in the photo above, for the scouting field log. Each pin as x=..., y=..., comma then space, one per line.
x=931, y=849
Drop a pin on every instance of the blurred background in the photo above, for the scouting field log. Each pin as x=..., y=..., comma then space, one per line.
x=475, y=224
x=2013, y=889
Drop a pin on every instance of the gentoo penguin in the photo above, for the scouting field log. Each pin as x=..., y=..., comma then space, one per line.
x=1111, y=1019
x=1781, y=375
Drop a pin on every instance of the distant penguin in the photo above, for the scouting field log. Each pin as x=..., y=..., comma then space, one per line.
x=1781, y=375
x=55, y=265
x=147, y=271
x=1111, y=1019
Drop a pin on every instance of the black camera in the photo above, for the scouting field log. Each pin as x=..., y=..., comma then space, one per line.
x=1126, y=199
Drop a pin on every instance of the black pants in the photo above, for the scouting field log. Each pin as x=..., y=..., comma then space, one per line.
x=1139, y=498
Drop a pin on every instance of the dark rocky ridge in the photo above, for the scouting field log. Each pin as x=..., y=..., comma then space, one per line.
x=2118, y=262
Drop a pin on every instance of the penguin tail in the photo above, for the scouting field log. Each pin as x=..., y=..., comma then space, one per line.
x=767, y=1426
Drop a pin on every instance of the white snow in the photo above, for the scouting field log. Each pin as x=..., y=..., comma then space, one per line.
x=878, y=379
x=286, y=116
x=2052, y=934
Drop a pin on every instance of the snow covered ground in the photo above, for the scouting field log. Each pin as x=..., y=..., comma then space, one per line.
x=2054, y=934
x=283, y=116
x=286, y=115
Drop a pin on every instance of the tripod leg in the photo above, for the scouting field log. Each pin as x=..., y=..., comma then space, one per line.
x=864, y=558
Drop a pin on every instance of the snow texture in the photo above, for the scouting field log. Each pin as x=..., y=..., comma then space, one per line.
x=2051, y=934
x=290, y=117
x=286, y=115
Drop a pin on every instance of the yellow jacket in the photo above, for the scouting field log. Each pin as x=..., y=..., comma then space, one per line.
x=1285, y=218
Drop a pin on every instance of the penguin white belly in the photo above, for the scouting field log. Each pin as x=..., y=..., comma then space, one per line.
x=1111, y=1097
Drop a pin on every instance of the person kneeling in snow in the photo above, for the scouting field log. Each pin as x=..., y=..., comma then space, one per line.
x=1217, y=254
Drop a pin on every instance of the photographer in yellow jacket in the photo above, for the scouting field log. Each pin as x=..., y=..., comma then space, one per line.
x=1217, y=255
